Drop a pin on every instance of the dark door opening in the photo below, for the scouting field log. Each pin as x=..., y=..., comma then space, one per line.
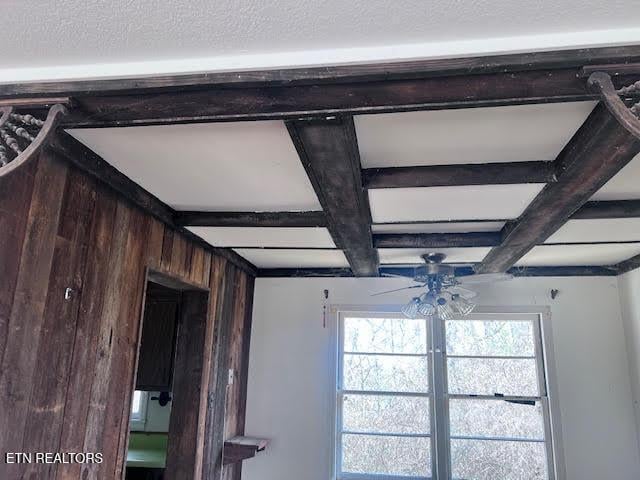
x=165, y=408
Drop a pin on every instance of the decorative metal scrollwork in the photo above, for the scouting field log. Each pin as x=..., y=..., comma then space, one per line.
x=628, y=114
x=23, y=134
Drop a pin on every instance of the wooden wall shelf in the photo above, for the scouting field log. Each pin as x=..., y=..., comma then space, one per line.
x=240, y=448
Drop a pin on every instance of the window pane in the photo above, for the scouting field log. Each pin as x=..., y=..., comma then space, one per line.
x=487, y=376
x=490, y=338
x=385, y=373
x=386, y=455
x=492, y=460
x=136, y=404
x=385, y=335
x=385, y=414
x=495, y=418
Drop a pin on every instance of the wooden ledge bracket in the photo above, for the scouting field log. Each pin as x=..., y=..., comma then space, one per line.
x=22, y=134
x=240, y=448
x=628, y=117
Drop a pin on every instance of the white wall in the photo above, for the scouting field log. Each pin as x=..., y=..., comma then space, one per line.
x=629, y=286
x=291, y=380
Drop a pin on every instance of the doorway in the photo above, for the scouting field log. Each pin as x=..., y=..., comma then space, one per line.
x=165, y=406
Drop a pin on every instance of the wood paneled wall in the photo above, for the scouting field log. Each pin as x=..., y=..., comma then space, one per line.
x=67, y=365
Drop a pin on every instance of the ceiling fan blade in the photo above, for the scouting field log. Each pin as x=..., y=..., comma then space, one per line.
x=396, y=290
x=484, y=278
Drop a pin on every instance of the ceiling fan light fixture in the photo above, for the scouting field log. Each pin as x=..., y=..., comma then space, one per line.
x=444, y=310
x=410, y=310
x=464, y=306
x=426, y=309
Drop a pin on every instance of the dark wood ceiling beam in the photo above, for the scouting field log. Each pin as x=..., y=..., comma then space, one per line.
x=628, y=265
x=86, y=160
x=598, y=150
x=436, y=240
x=328, y=150
x=460, y=174
x=213, y=104
x=608, y=209
x=251, y=219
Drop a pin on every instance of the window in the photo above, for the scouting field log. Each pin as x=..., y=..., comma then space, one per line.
x=461, y=399
x=138, y=410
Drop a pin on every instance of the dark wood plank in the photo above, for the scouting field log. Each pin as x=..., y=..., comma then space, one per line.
x=598, y=150
x=126, y=341
x=115, y=289
x=244, y=354
x=183, y=427
x=214, y=270
x=27, y=313
x=436, y=240
x=53, y=367
x=15, y=199
x=215, y=424
x=83, y=364
x=329, y=153
x=250, y=219
x=234, y=407
x=558, y=59
x=460, y=174
x=608, y=209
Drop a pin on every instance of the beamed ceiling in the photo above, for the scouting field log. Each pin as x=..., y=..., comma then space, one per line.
x=502, y=163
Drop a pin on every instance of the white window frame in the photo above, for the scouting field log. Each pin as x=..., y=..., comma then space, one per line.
x=440, y=442
x=139, y=421
x=342, y=392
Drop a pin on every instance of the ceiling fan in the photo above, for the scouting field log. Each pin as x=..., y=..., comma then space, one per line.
x=445, y=293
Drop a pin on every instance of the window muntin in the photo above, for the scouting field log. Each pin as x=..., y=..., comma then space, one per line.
x=493, y=419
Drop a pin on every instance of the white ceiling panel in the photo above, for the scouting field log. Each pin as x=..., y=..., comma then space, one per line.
x=265, y=237
x=574, y=255
x=443, y=227
x=411, y=256
x=598, y=230
x=451, y=203
x=624, y=186
x=474, y=135
x=289, y=258
x=239, y=166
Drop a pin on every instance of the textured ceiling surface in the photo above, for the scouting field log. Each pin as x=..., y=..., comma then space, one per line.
x=88, y=38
